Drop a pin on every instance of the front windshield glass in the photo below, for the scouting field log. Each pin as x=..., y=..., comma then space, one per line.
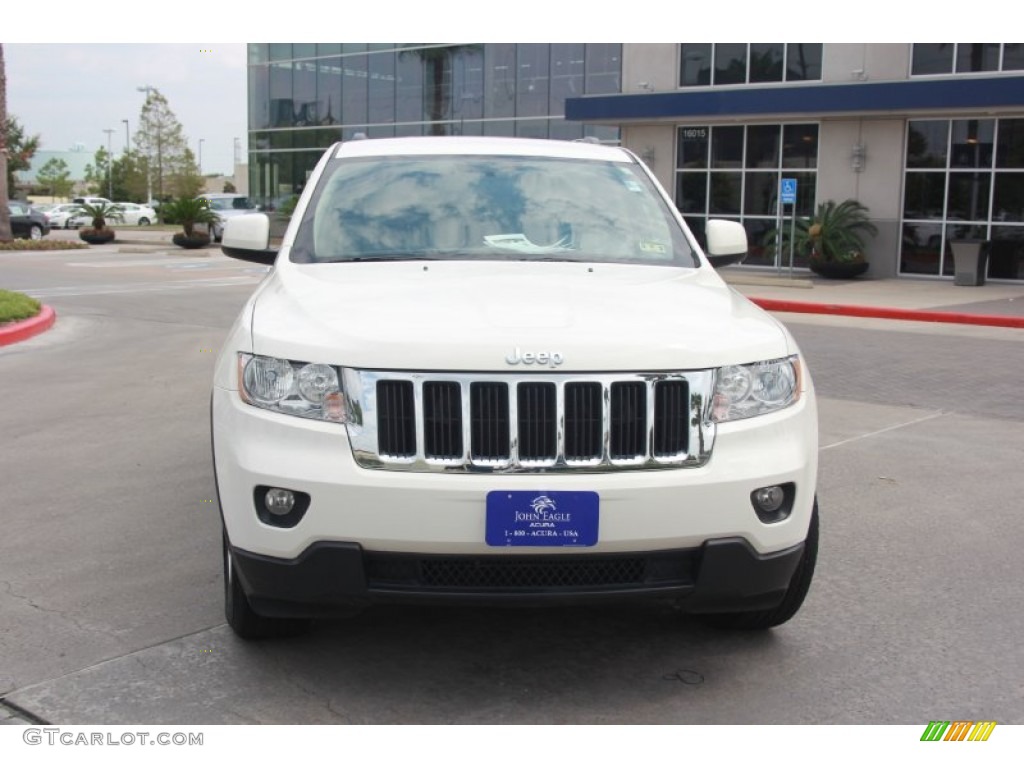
x=488, y=208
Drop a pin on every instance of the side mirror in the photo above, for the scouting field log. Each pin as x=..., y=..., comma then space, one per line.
x=248, y=238
x=727, y=242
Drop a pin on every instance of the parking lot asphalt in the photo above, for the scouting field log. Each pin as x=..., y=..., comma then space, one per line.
x=110, y=579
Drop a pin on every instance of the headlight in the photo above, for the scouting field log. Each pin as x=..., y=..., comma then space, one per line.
x=742, y=391
x=309, y=390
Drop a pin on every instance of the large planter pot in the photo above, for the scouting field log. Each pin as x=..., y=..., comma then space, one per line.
x=195, y=240
x=96, y=236
x=839, y=270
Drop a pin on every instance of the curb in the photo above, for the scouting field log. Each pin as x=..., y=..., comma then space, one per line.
x=888, y=313
x=26, y=329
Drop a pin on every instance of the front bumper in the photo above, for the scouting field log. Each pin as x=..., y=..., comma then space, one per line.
x=337, y=578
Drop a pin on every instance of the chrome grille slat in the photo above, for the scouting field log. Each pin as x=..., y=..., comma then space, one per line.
x=551, y=422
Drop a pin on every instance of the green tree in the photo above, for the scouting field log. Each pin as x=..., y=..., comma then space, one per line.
x=55, y=177
x=229, y=188
x=183, y=178
x=161, y=140
x=129, y=177
x=96, y=172
x=20, y=149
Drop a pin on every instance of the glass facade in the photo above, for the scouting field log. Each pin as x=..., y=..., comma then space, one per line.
x=304, y=97
x=734, y=172
x=964, y=179
x=742, y=63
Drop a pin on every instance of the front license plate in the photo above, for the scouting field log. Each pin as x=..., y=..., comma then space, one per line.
x=542, y=518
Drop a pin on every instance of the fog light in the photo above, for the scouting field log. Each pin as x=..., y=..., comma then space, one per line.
x=279, y=501
x=769, y=499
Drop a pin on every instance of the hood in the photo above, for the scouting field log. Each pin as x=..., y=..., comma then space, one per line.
x=476, y=316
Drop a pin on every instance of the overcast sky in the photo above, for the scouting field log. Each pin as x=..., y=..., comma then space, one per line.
x=68, y=93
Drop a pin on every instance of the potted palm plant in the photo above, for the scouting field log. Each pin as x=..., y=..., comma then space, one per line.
x=195, y=217
x=832, y=239
x=98, y=233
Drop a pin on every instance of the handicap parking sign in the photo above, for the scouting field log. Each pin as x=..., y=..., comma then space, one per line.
x=787, y=191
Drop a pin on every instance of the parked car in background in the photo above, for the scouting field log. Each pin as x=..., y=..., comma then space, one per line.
x=90, y=200
x=59, y=216
x=27, y=222
x=227, y=206
x=136, y=215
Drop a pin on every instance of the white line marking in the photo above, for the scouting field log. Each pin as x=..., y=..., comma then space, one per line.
x=173, y=285
x=887, y=429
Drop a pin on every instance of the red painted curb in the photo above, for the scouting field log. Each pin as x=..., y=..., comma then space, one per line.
x=889, y=313
x=26, y=329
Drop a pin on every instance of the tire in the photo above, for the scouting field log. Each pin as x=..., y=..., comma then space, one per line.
x=35, y=232
x=143, y=222
x=218, y=234
x=791, y=602
x=245, y=622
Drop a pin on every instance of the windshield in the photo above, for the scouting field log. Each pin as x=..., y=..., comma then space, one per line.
x=230, y=203
x=488, y=208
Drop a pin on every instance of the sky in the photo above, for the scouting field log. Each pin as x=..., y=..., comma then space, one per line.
x=70, y=93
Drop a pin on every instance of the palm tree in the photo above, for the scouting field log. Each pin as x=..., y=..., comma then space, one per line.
x=5, y=215
x=99, y=213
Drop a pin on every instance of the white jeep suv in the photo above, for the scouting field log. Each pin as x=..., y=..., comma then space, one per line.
x=504, y=370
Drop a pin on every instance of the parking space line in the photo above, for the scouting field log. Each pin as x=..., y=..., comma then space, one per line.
x=886, y=429
x=173, y=285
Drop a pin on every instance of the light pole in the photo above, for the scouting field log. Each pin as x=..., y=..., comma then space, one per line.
x=110, y=164
x=127, y=143
x=201, y=156
x=148, y=89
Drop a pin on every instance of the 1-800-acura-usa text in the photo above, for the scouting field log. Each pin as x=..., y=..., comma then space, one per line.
x=504, y=370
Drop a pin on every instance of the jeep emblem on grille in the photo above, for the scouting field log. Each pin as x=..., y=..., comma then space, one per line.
x=552, y=359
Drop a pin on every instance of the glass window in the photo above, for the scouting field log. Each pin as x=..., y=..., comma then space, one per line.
x=1010, y=151
x=972, y=143
x=727, y=147
x=693, y=147
x=328, y=90
x=603, y=67
x=532, y=80
x=692, y=192
x=381, y=69
x=695, y=64
x=282, y=104
x=962, y=196
x=766, y=62
x=280, y=51
x=259, y=97
x=759, y=197
x=932, y=59
x=500, y=80
x=800, y=145
x=726, y=193
x=566, y=75
x=1013, y=56
x=927, y=143
x=304, y=93
x=409, y=87
x=803, y=61
x=730, y=63
x=763, y=146
x=468, y=83
x=354, y=90
x=977, y=57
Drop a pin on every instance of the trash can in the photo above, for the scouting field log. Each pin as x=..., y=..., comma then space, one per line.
x=970, y=258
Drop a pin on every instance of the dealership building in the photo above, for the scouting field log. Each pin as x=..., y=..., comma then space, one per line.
x=930, y=137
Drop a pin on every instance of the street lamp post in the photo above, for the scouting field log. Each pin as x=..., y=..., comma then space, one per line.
x=201, y=156
x=148, y=89
x=110, y=164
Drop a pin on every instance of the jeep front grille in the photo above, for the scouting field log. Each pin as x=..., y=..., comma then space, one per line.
x=530, y=423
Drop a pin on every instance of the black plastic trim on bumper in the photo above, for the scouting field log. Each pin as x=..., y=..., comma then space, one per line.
x=337, y=578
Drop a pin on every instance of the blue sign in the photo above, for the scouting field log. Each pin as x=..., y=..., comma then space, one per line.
x=787, y=191
x=542, y=518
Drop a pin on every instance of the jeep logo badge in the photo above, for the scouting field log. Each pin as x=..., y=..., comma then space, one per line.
x=552, y=359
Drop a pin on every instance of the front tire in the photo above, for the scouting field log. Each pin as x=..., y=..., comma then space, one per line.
x=245, y=622
x=791, y=601
x=35, y=232
x=143, y=222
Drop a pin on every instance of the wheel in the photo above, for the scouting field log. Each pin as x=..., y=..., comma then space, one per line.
x=143, y=222
x=245, y=622
x=35, y=232
x=218, y=234
x=791, y=602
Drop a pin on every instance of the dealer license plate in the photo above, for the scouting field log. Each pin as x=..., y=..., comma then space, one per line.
x=542, y=518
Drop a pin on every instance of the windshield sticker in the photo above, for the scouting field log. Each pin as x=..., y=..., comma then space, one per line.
x=652, y=246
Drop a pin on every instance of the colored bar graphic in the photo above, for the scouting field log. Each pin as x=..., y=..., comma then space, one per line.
x=935, y=730
x=958, y=730
x=982, y=730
